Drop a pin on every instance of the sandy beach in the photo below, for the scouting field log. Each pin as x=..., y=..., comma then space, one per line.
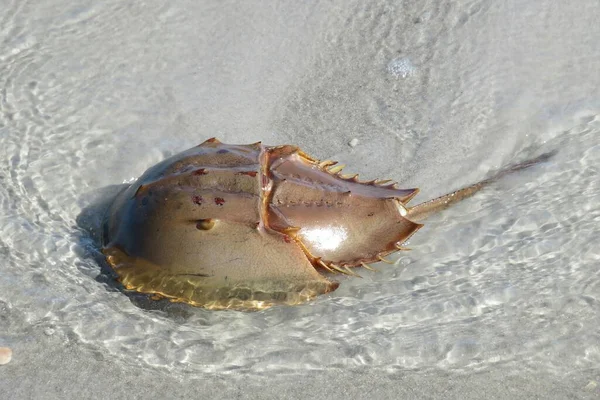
x=499, y=296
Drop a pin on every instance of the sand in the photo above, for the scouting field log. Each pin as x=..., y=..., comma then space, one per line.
x=498, y=299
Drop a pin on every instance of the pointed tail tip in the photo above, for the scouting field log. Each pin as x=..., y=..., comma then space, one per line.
x=528, y=163
x=424, y=210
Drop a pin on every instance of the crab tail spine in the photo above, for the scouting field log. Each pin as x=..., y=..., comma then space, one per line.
x=428, y=208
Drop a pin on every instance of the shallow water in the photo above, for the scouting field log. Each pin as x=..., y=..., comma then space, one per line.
x=439, y=95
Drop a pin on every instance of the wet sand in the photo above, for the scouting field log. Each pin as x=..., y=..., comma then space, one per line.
x=498, y=299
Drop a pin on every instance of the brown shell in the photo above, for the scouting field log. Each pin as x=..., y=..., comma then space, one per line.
x=250, y=226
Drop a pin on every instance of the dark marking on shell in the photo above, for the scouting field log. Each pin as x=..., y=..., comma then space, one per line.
x=219, y=201
x=197, y=199
x=249, y=173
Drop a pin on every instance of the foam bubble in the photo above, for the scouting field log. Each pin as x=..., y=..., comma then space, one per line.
x=401, y=67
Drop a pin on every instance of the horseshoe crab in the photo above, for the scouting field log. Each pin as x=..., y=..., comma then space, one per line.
x=250, y=226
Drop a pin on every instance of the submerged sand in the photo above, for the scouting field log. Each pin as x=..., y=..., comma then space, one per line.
x=498, y=299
